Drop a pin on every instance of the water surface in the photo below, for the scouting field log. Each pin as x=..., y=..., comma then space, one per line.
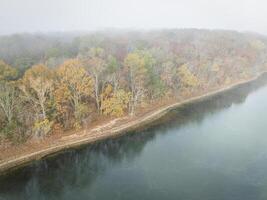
x=214, y=150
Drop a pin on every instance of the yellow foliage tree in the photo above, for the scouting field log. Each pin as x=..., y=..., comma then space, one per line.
x=187, y=78
x=215, y=67
x=106, y=92
x=257, y=44
x=114, y=103
x=7, y=72
x=73, y=84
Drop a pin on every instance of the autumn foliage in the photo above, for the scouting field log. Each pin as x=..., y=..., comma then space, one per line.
x=110, y=76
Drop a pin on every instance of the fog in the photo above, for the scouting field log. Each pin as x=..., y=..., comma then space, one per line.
x=83, y=15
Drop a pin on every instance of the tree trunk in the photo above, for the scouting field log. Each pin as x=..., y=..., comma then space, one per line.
x=43, y=111
x=97, y=93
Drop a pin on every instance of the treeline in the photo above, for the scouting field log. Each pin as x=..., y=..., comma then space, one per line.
x=50, y=84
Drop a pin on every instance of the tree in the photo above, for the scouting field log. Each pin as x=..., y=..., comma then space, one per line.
x=168, y=73
x=135, y=66
x=154, y=85
x=95, y=65
x=73, y=83
x=8, y=100
x=7, y=73
x=112, y=72
x=7, y=90
x=257, y=44
x=36, y=86
x=187, y=78
x=114, y=103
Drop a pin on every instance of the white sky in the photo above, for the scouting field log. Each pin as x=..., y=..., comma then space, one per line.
x=74, y=15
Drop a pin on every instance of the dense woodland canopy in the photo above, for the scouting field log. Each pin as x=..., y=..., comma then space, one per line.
x=52, y=82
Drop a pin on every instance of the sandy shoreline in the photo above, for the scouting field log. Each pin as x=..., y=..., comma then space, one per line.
x=112, y=130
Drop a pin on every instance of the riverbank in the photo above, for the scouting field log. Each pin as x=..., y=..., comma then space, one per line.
x=111, y=129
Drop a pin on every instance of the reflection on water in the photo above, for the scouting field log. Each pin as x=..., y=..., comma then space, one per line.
x=210, y=150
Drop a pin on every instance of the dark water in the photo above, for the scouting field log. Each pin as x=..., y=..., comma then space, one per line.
x=215, y=150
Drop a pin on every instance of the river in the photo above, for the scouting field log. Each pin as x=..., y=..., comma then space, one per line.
x=212, y=150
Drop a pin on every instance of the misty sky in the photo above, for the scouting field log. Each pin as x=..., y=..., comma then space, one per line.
x=75, y=15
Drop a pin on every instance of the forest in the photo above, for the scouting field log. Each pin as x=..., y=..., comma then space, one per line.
x=52, y=83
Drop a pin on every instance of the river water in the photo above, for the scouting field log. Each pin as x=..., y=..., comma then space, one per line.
x=212, y=150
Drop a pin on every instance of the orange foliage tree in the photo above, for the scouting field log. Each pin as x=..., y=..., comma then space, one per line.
x=73, y=86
